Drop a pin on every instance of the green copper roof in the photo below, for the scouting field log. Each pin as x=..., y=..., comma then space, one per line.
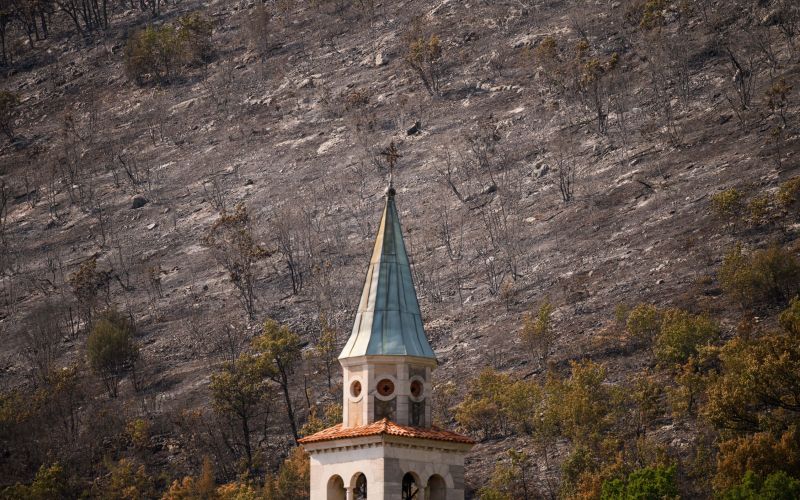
x=388, y=321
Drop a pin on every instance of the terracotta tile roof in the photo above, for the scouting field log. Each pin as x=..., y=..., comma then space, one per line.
x=387, y=427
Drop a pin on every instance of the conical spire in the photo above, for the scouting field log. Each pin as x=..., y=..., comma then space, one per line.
x=388, y=321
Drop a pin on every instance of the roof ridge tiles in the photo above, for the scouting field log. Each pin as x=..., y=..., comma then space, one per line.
x=385, y=427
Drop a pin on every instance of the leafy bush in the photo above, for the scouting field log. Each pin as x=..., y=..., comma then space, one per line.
x=191, y=487
x=138, y=431
x=49, y=483
x=691, y=384
x=537, y=332
x=674, y=334
x=788, y=192
x=761, y=453
x=646, y=14
x=293, y=478
x=548, y=55
x=777, y=486
x=759, y=208
x=547, y=49
x=769, y=276
x=154, y=54
x=126, y=480
x=111, y=349
x=579, y=469
x=584, y=406
x=195, y=30
x=648, y=483
x=86, y=284
x=727, y=203
x=482, y=411
x=423, y=54
x=496, y=405
x=681, y=334
x=510, y=479
x=790, y=318
x=758, y=384
x=159, y=53
x=643, y=323
x=331, y=415
x=238, y=490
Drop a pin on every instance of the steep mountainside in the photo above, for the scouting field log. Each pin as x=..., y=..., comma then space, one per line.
x=568, y=153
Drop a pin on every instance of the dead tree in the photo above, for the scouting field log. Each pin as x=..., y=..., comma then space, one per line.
x=42, y=336
x=231, y=240
x=290, y=230
x=451, y=233
x=566, y=176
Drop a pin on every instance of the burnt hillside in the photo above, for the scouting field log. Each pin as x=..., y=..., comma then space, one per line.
x=588, y=155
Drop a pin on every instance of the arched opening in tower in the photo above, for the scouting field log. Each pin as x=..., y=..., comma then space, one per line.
x=336, y=489
x=410, y=488
x=437, y=489
x=360, y=488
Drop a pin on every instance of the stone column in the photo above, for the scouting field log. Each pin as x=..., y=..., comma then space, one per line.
x=348, y=493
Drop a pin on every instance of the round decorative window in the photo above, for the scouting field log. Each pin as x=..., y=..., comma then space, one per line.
x=355, y=389
x=416, y=388
x=385, y=387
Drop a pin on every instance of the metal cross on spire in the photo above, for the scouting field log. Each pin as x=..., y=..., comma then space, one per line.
x=392, y=156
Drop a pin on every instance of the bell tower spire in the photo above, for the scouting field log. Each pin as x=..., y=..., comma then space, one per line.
x=386, y=444
x=387, y=360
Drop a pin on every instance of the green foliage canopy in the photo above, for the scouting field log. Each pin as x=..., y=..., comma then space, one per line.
x=111, y=349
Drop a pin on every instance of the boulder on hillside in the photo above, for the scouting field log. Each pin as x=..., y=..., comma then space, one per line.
x=138, y=202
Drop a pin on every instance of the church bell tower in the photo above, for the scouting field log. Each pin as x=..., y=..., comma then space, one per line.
x=387, y=448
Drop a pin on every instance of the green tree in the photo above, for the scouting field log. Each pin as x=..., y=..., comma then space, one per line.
x=50, y=483
x=762, y=453
x=423, y=54
x=238, y=490
x=511, y=479
x=758, y=387
x=331, y=415
x=585, y=406
x=789, y=193
x=728, y=203
x=195, y=30
x=643, y=324
x=496, y=405
x=111, y=349
x=777, y=486
x=239, y=394
x=202, y=487
x=279, y=350
x=762, y=278
x=538, y=333
x=681, y=334
x=649, y=483
x=790, y=318
x=692, y=380
x=293, y=478
x=159, y=53
x=126, y=480
x=154, y=53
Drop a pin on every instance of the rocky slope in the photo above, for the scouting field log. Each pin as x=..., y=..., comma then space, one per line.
x=290, y=118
